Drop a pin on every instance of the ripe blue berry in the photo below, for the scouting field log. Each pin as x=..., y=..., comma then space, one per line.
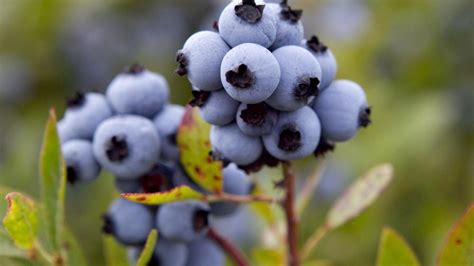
x=217, y=107
x=166, y=253
x=289, y=26
x=342, y=109
x=230, y=143
x=295, y=136
x=84, y=114
x=65, y=132
x=184, y=220
x=250, y=73
x=128, y=185
x=205, y=252
x=326, y=60
x=138, y=91
x=167, y=123
x=299, y=82
x=247, y=22
x=256, y=119
x=128, y=146
x=201, y=59
x=80, y=161
x=129, y=222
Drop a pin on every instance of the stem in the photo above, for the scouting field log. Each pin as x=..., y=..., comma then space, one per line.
x=240, y=199
x=43, y=253
x=313, y=240
x=290, y=213
x=228, y=247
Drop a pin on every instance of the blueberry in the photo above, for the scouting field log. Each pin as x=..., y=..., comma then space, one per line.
x=167, y=123
x=138, y=91
x=247, y=22
x=326, y=60
x=201, y=59
x=250, y=73
x=128, y=185
x=205, y=252
x=65, y=132
x=289, y=26
x=295, y=136
x=80, y=161
x=184, y=220
x=230, y=143
x=299, y=82
x=256, y=119
x=166, y=253
x=236, y=182
x=84, y=114
x=128, y=146
x=343, y=109
x=129, y=222
x=217, y=107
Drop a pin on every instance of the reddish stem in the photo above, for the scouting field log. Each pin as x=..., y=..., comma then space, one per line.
x=228, y=247
x=291, y=217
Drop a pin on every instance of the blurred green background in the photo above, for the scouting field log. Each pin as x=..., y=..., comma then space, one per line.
x=415, y=58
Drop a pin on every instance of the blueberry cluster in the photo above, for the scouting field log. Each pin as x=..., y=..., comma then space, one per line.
x=269, y=93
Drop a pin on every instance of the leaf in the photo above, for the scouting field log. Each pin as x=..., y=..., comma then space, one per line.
x=360, y=195
x=21, y=220
x=394, y=250
x=176, y=194
x=147, y=252
x=194, y=146
x=8, y=248
x=263, y=209
x=459, y=247
x=75, y=256
x=53, y=183
x=115, y=255
x=267, y=256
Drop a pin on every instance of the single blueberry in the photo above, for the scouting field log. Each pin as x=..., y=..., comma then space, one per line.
x=326, y=60
x=289, y=26
x=166, y=253
x=80, y=161
x=217, y=108
x=205, y=252
x=167, y=123
x=256, y=119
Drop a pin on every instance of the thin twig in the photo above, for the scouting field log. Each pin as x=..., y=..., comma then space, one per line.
x=309, y=187
x=313, y=240
x=228, y=247
x=240, y=199
x=43, y=253
x=290, y=213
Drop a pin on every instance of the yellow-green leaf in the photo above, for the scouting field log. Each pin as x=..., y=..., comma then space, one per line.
x=267, y=257
x=53, y=183
x=147, y=252
x=21, y=220
x=459, y=247
x=194, y=146
x=115, y=254
x=394, y=250
x=176, y=194
x=360, y=195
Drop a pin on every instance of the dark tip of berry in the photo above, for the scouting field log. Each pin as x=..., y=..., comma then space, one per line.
x=199, y=98
x=172, y=138
x=254, y=114
x=266, y=159
x=134, y=69
x=249, y=11
x=108, y=225
x=117, y=149
x=183, y=63
x=241, y=77
x=315, y=45
x=324, y=147
x=215, y=25
x=77, y=100
x=200, y=220
x=364, y=117
x=307, y=88
x=157, y=180
x=289, y=14
x=290, y=139
x=72, y=175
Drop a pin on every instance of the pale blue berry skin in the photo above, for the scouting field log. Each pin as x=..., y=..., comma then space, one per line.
x=271, y=119
x=167, y=123
x=176, y=221
x=288, y=33
x=261, y=63
x=328, y=64
x=166, y=253
x=306, y=123
x=127, y=185
x=131, y=222
x=83, y=120
x=205, y=252
x=297, y=65
x=236, y=31
x=65, y=131
x=236, y=182
x=144, y=93
x=232, y=144
x=219, y=109
x=142, y=141
x=203, y=52
x=78, y=155
x=339, y=108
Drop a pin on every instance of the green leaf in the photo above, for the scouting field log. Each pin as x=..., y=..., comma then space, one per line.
x=176, y=194
x=7, y=261
x=53, y=183
x=394, y=250
x=194, y=146
x=115, y=255
x=262, y=209
x=459, y=247
x=21, y=220
x=147, y=252
x=75, y=256
x=8, y=248
x=268, y=256
x=360, y=195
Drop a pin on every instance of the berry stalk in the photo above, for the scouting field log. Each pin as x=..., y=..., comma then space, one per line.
x=290, y=213
x=228, y=247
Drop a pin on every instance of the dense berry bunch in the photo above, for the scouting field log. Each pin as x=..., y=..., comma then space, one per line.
x=269, y=93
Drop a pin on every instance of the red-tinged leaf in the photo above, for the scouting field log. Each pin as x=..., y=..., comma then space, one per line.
x=177, y=194
x=21, y=220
